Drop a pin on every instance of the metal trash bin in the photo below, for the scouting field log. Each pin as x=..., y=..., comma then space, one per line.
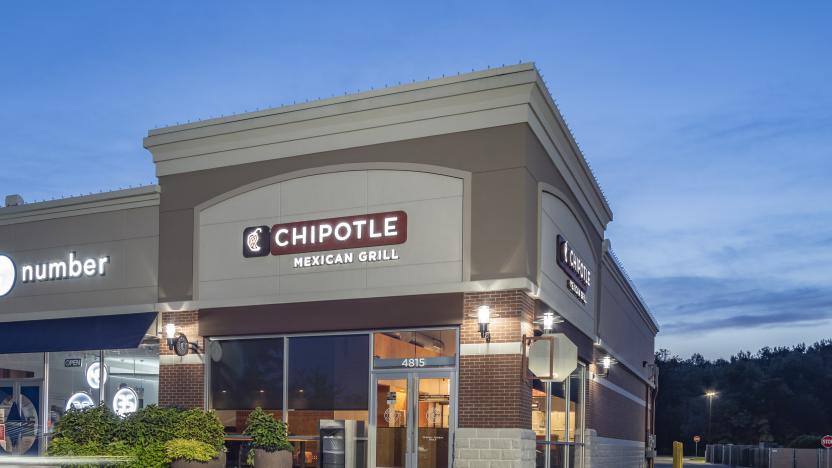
x=341, y=444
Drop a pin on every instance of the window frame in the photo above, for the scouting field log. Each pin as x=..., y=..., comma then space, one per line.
x=207, y=396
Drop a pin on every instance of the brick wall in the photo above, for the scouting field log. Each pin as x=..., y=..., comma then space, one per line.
x=492, y=393
x=181, y=380
x=512, y=313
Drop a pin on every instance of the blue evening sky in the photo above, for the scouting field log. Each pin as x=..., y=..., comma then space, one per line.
x=707, y=122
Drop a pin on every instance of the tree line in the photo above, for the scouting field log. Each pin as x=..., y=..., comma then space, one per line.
x=778, y=396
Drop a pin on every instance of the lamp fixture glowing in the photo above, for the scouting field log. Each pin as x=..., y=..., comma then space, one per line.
x=548, y=321
x=483, y=319
x=710, y=394
x=603, y=365
x=170, y=331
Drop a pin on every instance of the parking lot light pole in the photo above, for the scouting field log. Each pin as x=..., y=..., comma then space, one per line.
x=710, y=395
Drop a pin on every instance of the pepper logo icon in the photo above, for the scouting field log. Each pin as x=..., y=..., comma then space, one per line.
x=256, y=241
x=7, y=275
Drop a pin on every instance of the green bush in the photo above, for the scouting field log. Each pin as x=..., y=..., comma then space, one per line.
x=91, y=426
x=806, y=441
x=204, y=426
x=149, y=455
x=191, y=450
x=266, y=432
x=149, y=424
x=141, y=436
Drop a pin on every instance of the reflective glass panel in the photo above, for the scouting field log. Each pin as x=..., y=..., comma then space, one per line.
x=419, y=348
x=73, y=382
x=133, y=381
x=328, y=379
x=245, y=374
x=391, y=423
x=433, y=422
x=21, y=366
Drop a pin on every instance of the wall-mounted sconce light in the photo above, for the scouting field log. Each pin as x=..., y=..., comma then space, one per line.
x=484, y=318
x=603, y=366
x=547, y=322
x=170, y=334
x=178, y=342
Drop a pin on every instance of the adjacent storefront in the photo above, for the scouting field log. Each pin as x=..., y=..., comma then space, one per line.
x=378, y=264
x=77, y=304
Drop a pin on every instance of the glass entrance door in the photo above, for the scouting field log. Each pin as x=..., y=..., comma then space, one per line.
x=413, y=419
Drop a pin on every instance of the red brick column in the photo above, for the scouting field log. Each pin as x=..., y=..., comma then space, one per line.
x=181, y=379
x=492, y=393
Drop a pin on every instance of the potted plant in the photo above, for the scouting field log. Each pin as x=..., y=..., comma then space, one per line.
x=197, y=434
x=187, y=453
x=270, y=447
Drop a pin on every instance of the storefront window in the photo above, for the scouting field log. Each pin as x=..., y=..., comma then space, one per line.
x=564, y=436
x=21, y=377
x=246, y=374
x=130, y=380
x=425, y=348
x=133, y=381
x=73, y=382
x=328, y=379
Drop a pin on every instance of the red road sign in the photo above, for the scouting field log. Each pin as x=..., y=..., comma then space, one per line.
x=697, y=439
x=826, y=441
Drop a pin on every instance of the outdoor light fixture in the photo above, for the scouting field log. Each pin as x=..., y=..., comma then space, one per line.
x=605, y=363
x=548, y=321
x=170, y=334
x=483, y=318
x=178, y=342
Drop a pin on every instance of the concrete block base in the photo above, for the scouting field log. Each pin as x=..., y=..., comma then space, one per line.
x=494, y=448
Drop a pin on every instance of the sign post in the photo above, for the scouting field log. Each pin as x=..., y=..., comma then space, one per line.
x=826, y=442
x=696, y=440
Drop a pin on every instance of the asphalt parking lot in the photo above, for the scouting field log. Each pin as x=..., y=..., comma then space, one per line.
x=667, y=462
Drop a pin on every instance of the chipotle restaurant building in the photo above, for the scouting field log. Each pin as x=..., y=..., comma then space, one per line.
x=390, y=259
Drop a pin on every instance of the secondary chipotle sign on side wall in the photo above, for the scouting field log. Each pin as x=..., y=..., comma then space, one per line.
x=348, y=232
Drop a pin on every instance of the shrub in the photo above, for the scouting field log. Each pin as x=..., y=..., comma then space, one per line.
x=141, y=436
x=191, y=450
x=91, y=426
x=149, y=424
x=266, y=432
x=149, y=455
x=203, y=426
x=806, y=441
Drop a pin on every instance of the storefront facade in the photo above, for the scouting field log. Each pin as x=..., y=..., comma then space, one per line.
x=78, y=288
x=379, y=258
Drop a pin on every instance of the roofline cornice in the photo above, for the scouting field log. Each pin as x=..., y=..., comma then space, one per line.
x=81, y=205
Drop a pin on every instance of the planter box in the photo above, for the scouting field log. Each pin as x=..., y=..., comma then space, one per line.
x=279, y=459
x=218, y=462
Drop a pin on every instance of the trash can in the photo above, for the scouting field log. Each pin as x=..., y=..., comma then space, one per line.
x=342, y=443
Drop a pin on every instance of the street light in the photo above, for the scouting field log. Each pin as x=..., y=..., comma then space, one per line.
x=710, y=395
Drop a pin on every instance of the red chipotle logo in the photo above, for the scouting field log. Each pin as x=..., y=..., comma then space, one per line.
x=348, y=232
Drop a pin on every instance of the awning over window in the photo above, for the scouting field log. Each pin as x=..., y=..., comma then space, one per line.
x=75, y=334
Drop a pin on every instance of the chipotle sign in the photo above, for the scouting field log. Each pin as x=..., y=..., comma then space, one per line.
x=348, y=232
